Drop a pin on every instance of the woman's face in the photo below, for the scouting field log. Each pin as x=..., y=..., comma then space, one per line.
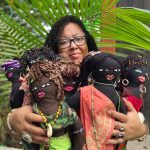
x=73, y=43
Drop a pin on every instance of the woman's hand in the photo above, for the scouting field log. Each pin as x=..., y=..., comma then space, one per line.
x=21, y=120
x=130, y=123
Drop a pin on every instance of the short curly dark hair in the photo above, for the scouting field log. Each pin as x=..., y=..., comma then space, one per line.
x=57, y=28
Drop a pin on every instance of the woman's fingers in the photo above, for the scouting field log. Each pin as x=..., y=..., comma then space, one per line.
x=34, y=130
x=39, y=139
x=118, y=116
x=129, y=106
x=32, y=117
x=115, y=141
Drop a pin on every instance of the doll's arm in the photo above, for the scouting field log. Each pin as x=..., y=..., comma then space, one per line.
x=78, y=136
x=74, y=101
x=17, y=95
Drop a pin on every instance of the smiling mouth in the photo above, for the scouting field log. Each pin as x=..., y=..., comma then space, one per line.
x=68, y=88
x=10, y=75
x=110, y=77
x=41, y=94
x=142, y=79
x=75, y=55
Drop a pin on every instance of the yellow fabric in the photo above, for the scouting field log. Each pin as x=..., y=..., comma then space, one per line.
x=60, y=143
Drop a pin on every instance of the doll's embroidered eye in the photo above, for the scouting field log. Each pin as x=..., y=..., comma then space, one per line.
x=47, y=84
x=138, y=70
x=106, y=69
x=117, y=70
x=101, y=69
x=43, y=86
x=73, y=82
x=34, y=89
x=11, y=68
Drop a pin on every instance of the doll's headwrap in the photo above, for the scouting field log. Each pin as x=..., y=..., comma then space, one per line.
x=91, y=62
x=133, y=61
x=13, y=69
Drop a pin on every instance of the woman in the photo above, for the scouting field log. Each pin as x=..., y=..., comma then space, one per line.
x=68, y=35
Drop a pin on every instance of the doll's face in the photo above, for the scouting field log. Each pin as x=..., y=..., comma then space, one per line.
x=44, y=89
x=13, y=74
x=138, y=75
x=70, y=85
x=108, y=71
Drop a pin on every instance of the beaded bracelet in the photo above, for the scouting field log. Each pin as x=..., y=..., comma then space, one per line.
x=140, y=139
x=8, y=122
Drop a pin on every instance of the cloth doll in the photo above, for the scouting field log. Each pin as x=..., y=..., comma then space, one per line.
x=95, y=100
x=16, y=68
x=134, y=76
x=45, y=93
x=13, y=70
x=70, y=73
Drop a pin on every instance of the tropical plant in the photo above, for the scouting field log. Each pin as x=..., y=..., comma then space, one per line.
x=128, y=26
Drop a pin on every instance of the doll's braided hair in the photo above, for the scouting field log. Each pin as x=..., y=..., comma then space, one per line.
x=68, y=67
x=52, y=71
x=31, y=56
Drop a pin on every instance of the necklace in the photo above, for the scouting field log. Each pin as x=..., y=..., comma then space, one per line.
x=119, y=102
x=100, y=83
x=49, y=125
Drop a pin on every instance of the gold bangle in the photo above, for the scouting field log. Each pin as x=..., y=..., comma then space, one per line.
x=8, y=122
x=140, y=139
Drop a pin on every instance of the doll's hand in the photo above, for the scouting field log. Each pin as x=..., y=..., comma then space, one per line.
x=21, y=120
x=130, y=123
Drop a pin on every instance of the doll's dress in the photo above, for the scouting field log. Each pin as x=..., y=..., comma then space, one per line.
x=97, y=124
x=136, y=102
x=67, y=117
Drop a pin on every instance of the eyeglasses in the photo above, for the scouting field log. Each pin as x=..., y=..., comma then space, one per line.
x=65, y=43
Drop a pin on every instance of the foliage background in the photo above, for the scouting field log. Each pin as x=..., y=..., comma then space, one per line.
x=25, y=23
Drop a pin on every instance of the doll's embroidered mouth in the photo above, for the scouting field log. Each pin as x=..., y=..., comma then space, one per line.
x=141, y=78
x=68, y=88
x=110, y=77
x=10, y=75
x=41, y=94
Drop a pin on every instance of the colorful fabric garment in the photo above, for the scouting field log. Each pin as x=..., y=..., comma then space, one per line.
x=67, y=117
x=59, y=143
x=136, y=102
x=98, y=125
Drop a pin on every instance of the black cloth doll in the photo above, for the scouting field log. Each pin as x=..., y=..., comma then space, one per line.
x=16, y=68
x=44, y=90
x=134, y=76
x=95, y=100
x=13, y=70
x=70, y=73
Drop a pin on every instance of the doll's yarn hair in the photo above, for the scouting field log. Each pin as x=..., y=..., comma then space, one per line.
x=133, y=61
x=68, y=67
x=52, y=71
x=31, y=56
x=90, y=63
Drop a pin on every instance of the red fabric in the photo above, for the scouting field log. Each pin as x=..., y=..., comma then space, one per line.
x=136, y=102
x=96, y=138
